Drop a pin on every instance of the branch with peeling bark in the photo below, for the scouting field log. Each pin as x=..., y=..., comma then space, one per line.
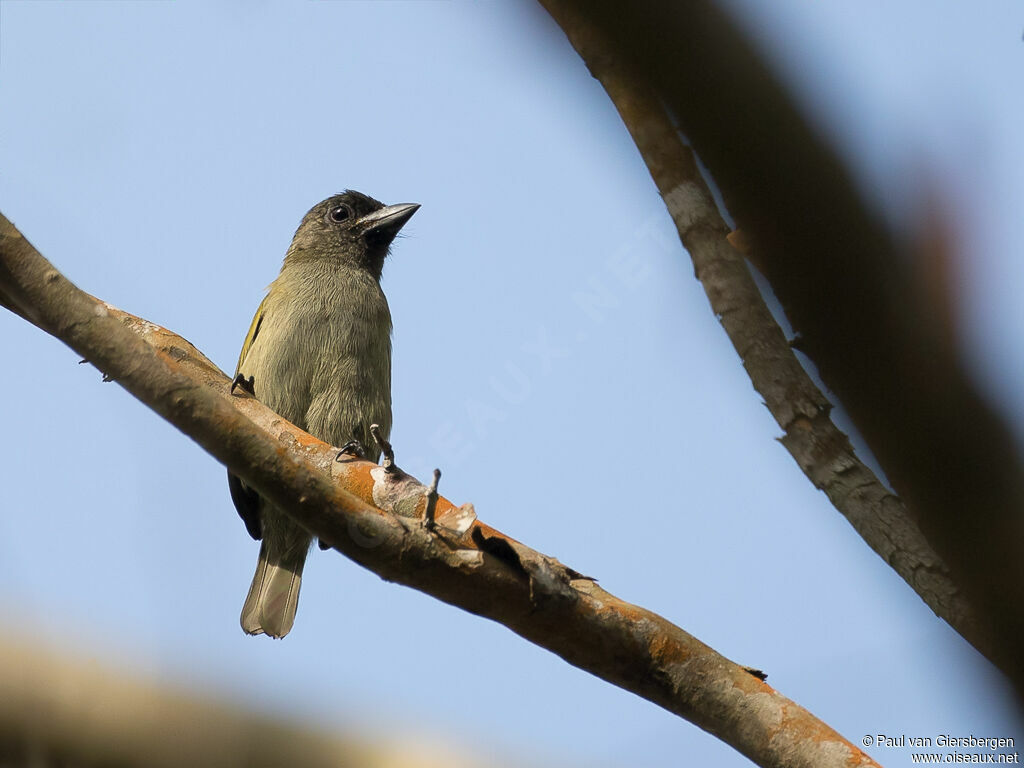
x=378, y=517
x=820, y=448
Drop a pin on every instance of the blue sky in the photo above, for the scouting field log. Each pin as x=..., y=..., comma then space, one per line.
x=553, y=354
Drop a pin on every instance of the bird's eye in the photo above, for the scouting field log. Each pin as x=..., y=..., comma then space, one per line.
x=340, y=213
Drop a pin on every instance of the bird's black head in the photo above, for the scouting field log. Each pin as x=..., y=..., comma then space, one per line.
x=350, y=229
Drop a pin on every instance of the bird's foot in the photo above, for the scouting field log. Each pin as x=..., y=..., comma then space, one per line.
x=247, y=385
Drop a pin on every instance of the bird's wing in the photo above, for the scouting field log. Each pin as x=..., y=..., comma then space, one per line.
x=246, y=500
x=254, y=331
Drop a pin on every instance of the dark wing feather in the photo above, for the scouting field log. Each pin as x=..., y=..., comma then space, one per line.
x=247, y=502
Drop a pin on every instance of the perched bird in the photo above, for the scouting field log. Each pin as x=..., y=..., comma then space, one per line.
x=318, y=353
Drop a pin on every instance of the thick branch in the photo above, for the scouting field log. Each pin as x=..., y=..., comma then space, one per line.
x=58, y=710
x=820, y=448
x=375, y=518
x=847, y=287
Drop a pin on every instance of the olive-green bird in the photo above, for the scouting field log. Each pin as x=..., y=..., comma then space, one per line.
x=319, y=354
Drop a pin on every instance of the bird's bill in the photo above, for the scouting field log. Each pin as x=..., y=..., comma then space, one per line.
x=389, y=219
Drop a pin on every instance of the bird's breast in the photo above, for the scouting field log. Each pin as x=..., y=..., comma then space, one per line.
x=322, y=360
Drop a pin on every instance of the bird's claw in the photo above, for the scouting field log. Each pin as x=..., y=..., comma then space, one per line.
x=352, y=448
x=247, y=385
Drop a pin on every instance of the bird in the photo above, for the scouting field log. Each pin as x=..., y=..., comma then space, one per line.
x=318, y=353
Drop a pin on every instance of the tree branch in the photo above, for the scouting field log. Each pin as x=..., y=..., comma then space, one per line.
x=847, y=286
x=819, y=447
x=375, y=517
x=59, y=710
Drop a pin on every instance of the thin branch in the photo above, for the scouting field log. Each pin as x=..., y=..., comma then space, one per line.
x=820, y=448
x=364, y=512
x=847, y=287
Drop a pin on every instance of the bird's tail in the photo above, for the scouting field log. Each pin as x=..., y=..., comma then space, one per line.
x=274, y=594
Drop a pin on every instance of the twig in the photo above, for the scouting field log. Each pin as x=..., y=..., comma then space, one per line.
x=386, y=451
x=428, y=512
